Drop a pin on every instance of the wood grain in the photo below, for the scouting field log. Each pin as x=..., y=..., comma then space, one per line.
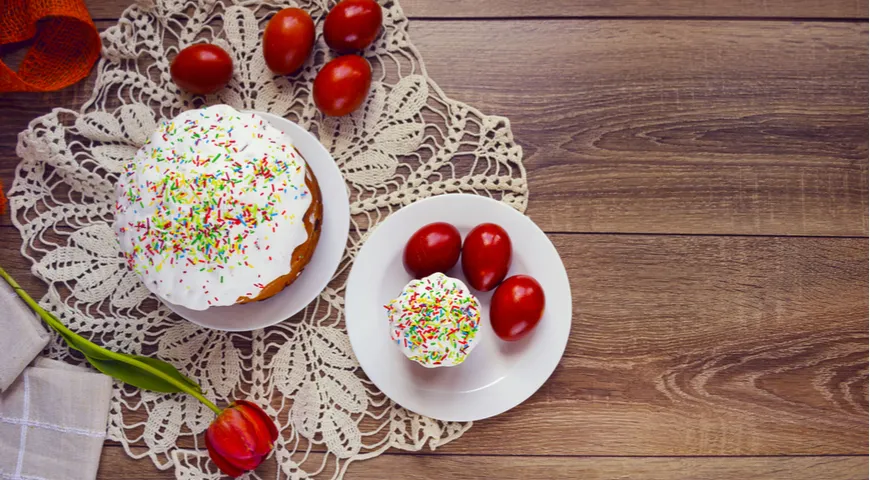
x=635, y=8
x=428, y=467
x=630, y=126
x=702, y=346
x=110, y=9
x=674, y=126
x=693, y=346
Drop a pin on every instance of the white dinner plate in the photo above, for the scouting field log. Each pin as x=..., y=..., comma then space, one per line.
x=497, y=375
x=327, y=255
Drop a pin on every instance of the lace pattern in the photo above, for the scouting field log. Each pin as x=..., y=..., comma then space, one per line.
x=408, y=142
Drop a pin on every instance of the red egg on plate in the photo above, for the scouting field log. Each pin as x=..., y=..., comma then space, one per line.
x=486, y=256
x=433, y=248
x=517, y=307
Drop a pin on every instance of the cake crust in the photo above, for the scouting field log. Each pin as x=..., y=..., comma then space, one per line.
x=303, y=253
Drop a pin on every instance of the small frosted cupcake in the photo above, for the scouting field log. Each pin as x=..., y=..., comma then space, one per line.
x=435, y=321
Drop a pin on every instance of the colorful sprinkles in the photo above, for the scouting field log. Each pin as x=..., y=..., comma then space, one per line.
x=435, y=321
x=194, y=196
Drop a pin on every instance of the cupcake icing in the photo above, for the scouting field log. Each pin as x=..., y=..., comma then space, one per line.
x=435, y=321
x=211, y=208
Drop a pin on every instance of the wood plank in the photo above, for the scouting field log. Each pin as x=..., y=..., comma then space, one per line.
x=692, y=346
x=652, y=126
x=635, y=8
x=543, y=468
x=673, y=126
x=428, y=467
x=702, y=346
x=106, y=9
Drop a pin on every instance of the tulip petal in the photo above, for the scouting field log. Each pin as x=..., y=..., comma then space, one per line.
x=259, y=426
x=263, y=417
x=232, y=437
x=222, y=464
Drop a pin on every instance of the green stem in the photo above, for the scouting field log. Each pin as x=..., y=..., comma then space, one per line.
x=61, y=328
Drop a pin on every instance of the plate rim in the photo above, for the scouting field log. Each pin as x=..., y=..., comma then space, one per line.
x=530, y=388
x=332, y=166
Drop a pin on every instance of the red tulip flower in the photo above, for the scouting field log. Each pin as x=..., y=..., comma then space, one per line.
x=240, y=438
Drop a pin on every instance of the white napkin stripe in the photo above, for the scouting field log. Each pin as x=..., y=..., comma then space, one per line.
x=5, y=475
x=56, y=428
x=22, y=443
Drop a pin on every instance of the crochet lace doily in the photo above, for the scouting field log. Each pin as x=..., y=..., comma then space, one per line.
x=409, y=141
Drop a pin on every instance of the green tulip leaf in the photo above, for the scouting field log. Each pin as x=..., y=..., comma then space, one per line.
x=142, y=372
x=76, y=342
x=126, y=368
x=169, y=370
x=129, y=372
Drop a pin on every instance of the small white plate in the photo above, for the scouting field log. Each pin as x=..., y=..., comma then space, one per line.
x=324, y=262
x=497, y=375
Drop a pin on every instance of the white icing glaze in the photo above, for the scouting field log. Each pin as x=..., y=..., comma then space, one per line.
x=211, y=207
x=435, y=321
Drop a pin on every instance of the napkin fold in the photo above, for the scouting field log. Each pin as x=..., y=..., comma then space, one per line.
x=23, y=335
x=53, y=423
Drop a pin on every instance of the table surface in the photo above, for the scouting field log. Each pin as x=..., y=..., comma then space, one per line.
x=702, y=168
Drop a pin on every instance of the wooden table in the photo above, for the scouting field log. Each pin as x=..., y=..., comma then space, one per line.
x=702, y=167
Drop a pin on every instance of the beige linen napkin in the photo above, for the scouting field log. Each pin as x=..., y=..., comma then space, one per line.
x=53, y=423
x=22, y=338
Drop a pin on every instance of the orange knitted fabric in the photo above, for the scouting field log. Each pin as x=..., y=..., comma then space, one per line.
x=66, y=43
